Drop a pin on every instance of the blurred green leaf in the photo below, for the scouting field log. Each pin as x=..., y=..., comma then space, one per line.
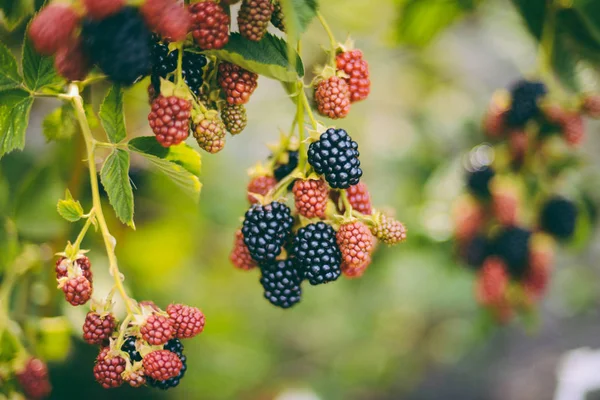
x=267, y=57
x=181, y=154
x=60, y=124
x=9, y=347
x=15, y=106
x=115, y=178
x=14, y=12
x=422, y=20
x=38, y=70
x=9, y=72
x=298, y=14
x=112, y=115
x=69, y=208
x=180, y=163
x=54, y=340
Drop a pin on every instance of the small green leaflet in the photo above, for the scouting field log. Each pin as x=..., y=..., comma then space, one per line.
x=69, y=209
x=60, y=123
x=180, y=163
x=115, y=179
x=13, y=12
x=15, y=106
x=112, y=115
x=38, y=70
x=268, y=57
x=9, y=72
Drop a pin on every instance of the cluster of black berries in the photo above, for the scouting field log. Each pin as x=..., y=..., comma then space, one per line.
x=309, y=243
x=492, y=227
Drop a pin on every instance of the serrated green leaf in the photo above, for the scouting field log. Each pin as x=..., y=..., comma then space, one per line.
x=298, y=14
x=38, y=70
x=115, y=179
x=9, y=72
x=14, y=12
x=112, y=115
x=69, y=208
x=181, y=154
x=178, y=163
x=15, y=106
x=267, y=57
x=60, y=124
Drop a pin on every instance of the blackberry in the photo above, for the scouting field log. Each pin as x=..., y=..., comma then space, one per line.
x=266, y=228
x=558, y=217
x=281, y=283
x=478, y=182
x=476, y=251
x=512, y=246
x=119, y=45
x=317, y=254
x=335, y=155
x=284, y=170
x=165, y=62
x=129, y=348
x=174, y=346
x=525, y=95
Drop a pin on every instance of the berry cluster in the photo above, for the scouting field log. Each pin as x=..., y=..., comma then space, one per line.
x=332, y=228
x=343, y=82
x=508, y=224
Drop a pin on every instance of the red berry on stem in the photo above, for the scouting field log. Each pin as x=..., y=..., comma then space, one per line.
x=108, y=369
x=33, y=378
x=260, y=185
x=97, y=329
x=169, y=119
x=78, y=290
x=254, y=17
x=240, y=255
x=187, y=321
x=161, y=365
x=168, y=18
x=356, y=243
x=359, y=198
x=82, y=262
x=352, y=64
x=71, y=62
x=332, y=96
x=311, y=197
x=210, y=135
x=210, y=25
x=492, y=282
x=157, y=330
x=237, y=83
x=52, y=27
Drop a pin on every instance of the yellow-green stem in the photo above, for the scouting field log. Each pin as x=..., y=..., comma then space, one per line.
x=90, y=144
x=546, y=46
x=346, y=203
x=84, y=230
x=332, y=41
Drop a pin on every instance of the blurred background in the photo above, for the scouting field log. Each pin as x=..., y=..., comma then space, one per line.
x=410, y=328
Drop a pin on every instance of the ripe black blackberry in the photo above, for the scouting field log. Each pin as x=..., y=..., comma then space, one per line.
x=525, y=96
x=174, y=346
x=281, y=283
x=165, y=62
x=335, y=155
x=284, y=170
x=266, y=228
x=129, y=348
x=558, y=217
x=316, y=253
x=119, y=45
x=512, y=246
x=476, y=251
x=478, y=182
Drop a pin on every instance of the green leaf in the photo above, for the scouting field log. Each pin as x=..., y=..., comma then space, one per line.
x=422, y=20
x=180, y=163
x=181, y=154
x=38, y=70
x=115, y=178
x=112, y=115
x=14, y=12
x=15, y=106
x=298, y=14
x=267, y=57
x=60, y=124
x=9, y=72
x=69, y=208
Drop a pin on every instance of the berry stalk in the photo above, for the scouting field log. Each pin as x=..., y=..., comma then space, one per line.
x=109, y=240
x=332, y=40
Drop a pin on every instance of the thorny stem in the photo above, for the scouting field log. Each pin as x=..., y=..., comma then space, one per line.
x=90, y=144
x=332, y=40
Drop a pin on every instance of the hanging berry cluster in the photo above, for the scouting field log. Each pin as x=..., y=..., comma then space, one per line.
x=518, y=207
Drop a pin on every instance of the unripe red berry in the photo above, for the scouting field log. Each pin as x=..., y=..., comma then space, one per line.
x=240, y=255
x=168, y=18
x=157, y=330
x=33, y=378
x=210, y=25
x=260, y=185
x=352, y=64
x=108, y=369
x=187, y=321
x=71, y=62
x=52, y=28
x=161, y=365
x=78, y=290
x=237, y=83
x=356, y=243
x=169, y=119
x=310, y=197
x=332, y=96
x=97, y=328
x=492, y=282
x=389, y=230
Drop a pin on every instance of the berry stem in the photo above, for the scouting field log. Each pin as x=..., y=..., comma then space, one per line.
x=179, y=80
x=84, y=230
x=300, y=120
x=346, y=203
x=109, y=240
x=332, y=40
x=546, y=46
x=124, y=326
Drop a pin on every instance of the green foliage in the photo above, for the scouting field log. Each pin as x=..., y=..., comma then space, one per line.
x=298, y=14
x=38, y=70
x=70, y=209
x=422, y=20
x=15, y=106
x=60, y=124
x=115, y=179
x=14, y=12
x=9, y=73
x=268, y=57
x=112, y=116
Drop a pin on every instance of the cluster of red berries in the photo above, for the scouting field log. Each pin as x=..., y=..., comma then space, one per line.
x=331, y=230
x=510, y=245
x=337, y=87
